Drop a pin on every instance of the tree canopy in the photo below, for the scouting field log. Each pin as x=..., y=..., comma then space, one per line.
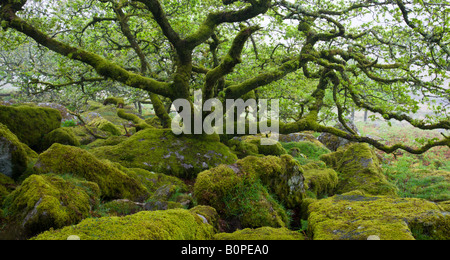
x=321, y=58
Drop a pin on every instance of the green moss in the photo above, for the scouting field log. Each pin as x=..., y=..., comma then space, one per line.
x=113, y=183
x=30, y=124
x=48, y=201
x=105, y=125
x=283, y=176
x=320, y=182
x=174, y=224
x=7, y=185
x=242, y=149
x=356, y=216
x=208, y=214
x=263, y=233
x=14, y=154
x=110, y=141
x=254, y=190
x=159, y=150
x=64, y=136
x=238, y=196
x=358, y=168
x=274, y=149
x=307, y=151
x=119, y=102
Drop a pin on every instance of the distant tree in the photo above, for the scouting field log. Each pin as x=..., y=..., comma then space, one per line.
x=317, y=56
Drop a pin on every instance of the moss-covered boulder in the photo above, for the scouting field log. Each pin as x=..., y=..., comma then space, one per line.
x=105, y=125
x=239, y=198
x=30, y=124
x=174, y=224
x=305, y=151
x=356, y=216
x=159, y=150
x=242, y=149
x=48, y=201
x=14, y=155
x=243, y=190
x=263, y=233
x=283, y=176
x=274, y=149
x=358, y=168
x=333, y=142
x=113, y=183
x=319, y=182
x=63, y=135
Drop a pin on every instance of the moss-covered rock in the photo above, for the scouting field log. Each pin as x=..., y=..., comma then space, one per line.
x=105, y=125
x=88, y=134
x=63, y=135
x=159, y=150
x=355, y=215
x=14, y=155
x=305, y=151
x=238, y=197
x=299, y=137
x=283, y=176
x=242, y=149
x=30, y=124
x=113, y=183
x=274, y=149
x=358, y=168
x=110, y=141
x=263, y=233
x=333, y=142
x=243, y=190
x=320, y=182
x=174, y=224
x=48, y=201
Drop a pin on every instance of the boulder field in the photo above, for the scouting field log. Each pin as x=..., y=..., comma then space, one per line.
x=106, y=180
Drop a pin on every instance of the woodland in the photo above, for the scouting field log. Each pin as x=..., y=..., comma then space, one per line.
x=87, y=142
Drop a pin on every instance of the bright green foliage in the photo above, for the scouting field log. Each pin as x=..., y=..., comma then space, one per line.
x=113, y=183
x=30, y=124
x=48, y=201
x=356, y=216
x=358, y=168
x=175, y=224
x=263, y=233
x=63, y=135
x=159, y=150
